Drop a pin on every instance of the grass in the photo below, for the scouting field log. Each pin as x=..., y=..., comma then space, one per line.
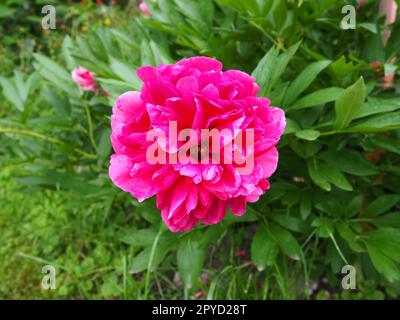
x=44, y=227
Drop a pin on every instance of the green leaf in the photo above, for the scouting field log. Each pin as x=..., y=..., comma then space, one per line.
x=52, y=67
x=387, y=240
x=371, y=27
x=153, y=54
x=328, y=205
x=271, y=67
x=383, y=247
x=115, y=87
x=303, y=80
x=11, y=94
x=286, y=241
x=393, y=45
x=190, y=259
x=139, y=238
x=67, y=49
x=305, y=205
x=385, y=122
x=278, y=14
x=201, y=12
x=342, y=69
x=314, y=171
x=324, y=227
x=382, y=263
x=141, y=261
x=349, y=161
x=282, y=62
x=335, y=176
x=60, y=103
x=309, y=134
x=264, y=249
x=349, y=236
x=375, y=105
x=349, y=104
x=6, y=10
x=291, y=126
x=22, y=89
x=388, y=220
x=124, y=71
x=353, y=207
x=385, y=142
x=263, y=72
x=292, y=223
x=381, y=205
x=318, y=97
x=104, y=145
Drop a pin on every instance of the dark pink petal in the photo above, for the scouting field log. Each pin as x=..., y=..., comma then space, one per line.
x=238, y=205
x=203, y=64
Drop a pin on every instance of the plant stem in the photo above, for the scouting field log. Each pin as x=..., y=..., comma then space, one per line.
x=150, y=264
x=90, y=126
x=31, y=134
x=39, y=136
x=337, y=248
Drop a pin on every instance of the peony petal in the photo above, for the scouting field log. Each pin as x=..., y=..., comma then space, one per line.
x=238, y=205
x=203, y=64
x=195, y=94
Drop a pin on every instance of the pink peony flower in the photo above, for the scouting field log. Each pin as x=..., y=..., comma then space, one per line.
x=195, y=93
x=84, y=78
x=143, y=7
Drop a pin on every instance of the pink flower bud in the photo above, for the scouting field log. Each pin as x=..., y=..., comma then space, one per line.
x=144, y=8
x=84, y=78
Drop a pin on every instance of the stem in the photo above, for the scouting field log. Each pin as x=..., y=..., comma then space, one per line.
x=337, y=248
x=31, y=134
x=39, y=136
x=325, y=124
x=124, y=274
x=363, y=220
x=265, y=287
x=280, y=281
x=270, y=37
x=185, y=293
x=328, y=133
x=308, y=238
x=149, y=265
x=306, y=278
x=90, y=126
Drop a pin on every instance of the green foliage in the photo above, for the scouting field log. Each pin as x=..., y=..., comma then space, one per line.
x=333, y=201
x=349, y=103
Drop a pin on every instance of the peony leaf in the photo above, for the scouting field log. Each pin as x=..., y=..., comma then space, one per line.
x=286, y=241
x=349, y=103
x=309, y=134
x=303, y=80
x=318, y=97
x=381, y=205
x=384, y=122
x=264, y=249
x=190, y=259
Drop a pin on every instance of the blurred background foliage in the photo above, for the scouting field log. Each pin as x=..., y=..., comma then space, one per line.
x=334, y=199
